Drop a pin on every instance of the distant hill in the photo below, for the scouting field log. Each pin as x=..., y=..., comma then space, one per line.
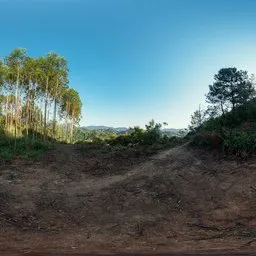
x=104, y=128
x=96, y=127
x=124, y=129
x=171, y=130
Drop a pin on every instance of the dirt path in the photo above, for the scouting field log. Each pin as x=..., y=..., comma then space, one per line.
x=133, y=254
x=179, y=200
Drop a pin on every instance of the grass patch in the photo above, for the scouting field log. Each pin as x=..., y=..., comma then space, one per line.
x=26, y=148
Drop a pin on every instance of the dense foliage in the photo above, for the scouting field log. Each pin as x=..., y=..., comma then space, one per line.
x=36, y=103
x=26, y=148
x=231, y=88
x=232, y=130
x=35, y=96
x=136, y=140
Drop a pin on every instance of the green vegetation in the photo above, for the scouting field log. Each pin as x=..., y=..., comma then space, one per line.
x=38, y=108
x=229, y=123
x=35, y=96
x=137, y=140
x=251, y=234
x=26, y=148
x=36, y=103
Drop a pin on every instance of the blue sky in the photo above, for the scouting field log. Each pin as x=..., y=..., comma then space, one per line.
x=134, y=60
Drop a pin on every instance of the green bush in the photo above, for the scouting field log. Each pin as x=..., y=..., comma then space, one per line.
x=25, y=148
x=233, y=119
x=123, y=140
x=240, y=143
x=6, y=154
x=232, y=133
x=207, y=140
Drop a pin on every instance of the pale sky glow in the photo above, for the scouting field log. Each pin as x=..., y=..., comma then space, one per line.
x=134, y=60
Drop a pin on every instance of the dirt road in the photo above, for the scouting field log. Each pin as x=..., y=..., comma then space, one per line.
x=131, y=254
x=180, y=200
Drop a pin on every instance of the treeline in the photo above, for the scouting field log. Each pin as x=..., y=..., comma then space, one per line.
x=35, y=97
x=135, y=141
x=229, y=121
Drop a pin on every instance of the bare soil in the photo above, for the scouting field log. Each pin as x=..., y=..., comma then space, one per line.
x=180, y=200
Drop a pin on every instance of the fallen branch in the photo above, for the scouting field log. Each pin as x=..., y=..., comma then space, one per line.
x=250, y=242
x=253, y=188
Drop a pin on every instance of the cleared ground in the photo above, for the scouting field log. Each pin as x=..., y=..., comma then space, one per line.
x=180, y=200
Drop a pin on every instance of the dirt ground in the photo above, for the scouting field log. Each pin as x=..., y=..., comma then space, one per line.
x=179, y=200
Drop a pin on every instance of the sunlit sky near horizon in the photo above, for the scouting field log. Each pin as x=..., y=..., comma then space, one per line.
x=134, y=60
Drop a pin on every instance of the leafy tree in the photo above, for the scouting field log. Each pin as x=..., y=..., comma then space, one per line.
x=2, y=74
x=48, y=82
x=30, y=78
x=153, y=132
x=71, y=105
x=198, y=119
x=60, y=82
x=231, y=88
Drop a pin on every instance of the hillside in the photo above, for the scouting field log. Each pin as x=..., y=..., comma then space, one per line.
x=178, y=200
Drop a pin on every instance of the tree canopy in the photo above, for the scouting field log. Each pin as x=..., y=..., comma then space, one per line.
x=231, y=87
x=33, y=95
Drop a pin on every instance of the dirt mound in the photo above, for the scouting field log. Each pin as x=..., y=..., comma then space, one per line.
x=177, y=200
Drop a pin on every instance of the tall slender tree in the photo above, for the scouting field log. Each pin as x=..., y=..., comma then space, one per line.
x=15, y=62
x=60, y=81
x=28, y=87
x=47, y=67
x=71, y=105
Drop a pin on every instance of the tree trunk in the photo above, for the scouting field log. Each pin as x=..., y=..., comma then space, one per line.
x=6, y=112
x=222, y=109
x=55, y=111
x=16, y=110
x=67, y=111
x=48, y=116
x=45, y=109
x=72, y=127
x=41, y=127
x=54, y=119
x=27, y=111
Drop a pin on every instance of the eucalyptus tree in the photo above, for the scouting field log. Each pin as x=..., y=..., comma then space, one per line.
x=8, y=97
x=71, y=106
x=46, y=82
x=65, y=107
x=9, y=101
x=15, y=62
x=2, y=80
x=60, y=81
x=30, y=74
x=75, y=111
x=2, y=74
x=29, y=86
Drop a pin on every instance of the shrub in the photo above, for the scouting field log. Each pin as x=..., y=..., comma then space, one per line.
x=211, y=141
x=25, y=147
x=233, y=132
x=123, y=140
x=240, y=143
